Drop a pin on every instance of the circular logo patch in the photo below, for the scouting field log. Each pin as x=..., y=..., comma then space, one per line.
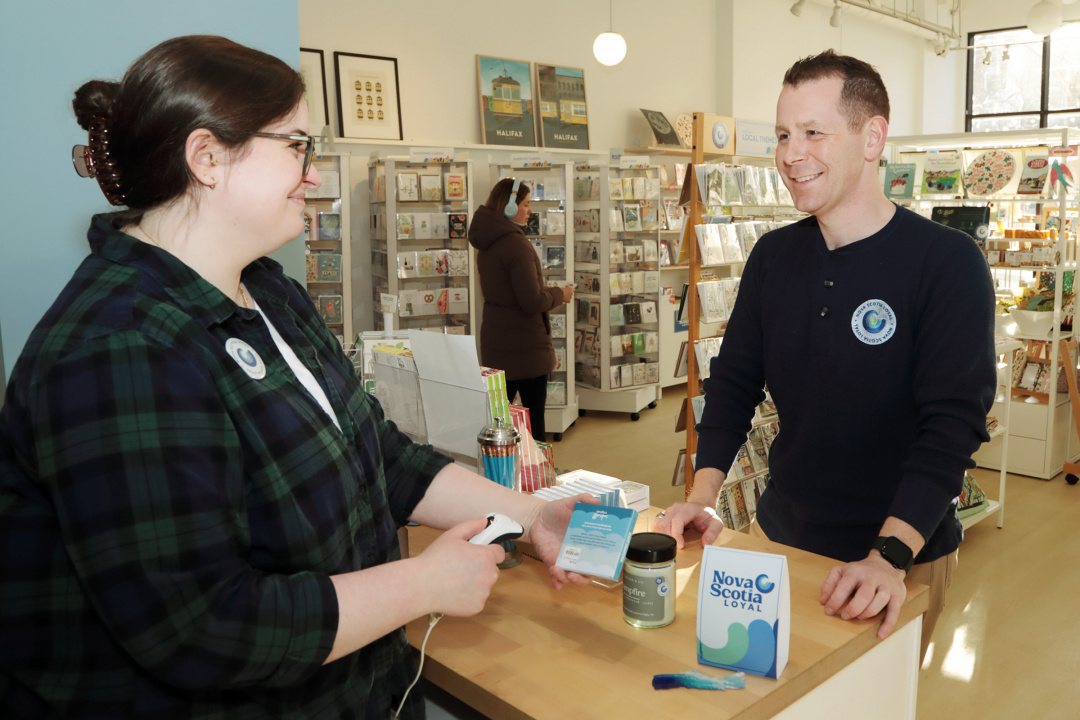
x=873, y=322
x=248, y=360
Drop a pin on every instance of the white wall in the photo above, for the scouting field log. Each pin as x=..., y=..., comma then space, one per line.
x=668, y=66
x=722, y=56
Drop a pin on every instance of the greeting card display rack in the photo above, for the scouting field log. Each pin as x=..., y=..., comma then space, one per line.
x=617, y=290
x=1022, y=252
x=327, y=247
x=550, y=229
x=726, y=274
x=419, y=214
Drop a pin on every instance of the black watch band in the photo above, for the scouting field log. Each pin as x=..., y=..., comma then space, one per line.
x=895, y=551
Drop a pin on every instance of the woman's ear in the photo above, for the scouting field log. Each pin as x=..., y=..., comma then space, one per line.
x=204, y=154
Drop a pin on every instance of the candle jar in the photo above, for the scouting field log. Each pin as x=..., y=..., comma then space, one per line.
x=498, y=460
x=649, y=580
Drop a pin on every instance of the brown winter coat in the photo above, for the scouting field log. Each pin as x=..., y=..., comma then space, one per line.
x=515, y=335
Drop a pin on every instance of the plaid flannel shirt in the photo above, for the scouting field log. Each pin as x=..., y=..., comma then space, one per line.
x=168, y=524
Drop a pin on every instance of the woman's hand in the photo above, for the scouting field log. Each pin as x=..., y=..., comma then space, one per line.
x=459, y=575
x=546, y=534
x=567, y=294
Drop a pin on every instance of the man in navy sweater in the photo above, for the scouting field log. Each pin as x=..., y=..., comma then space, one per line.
x=873, y=329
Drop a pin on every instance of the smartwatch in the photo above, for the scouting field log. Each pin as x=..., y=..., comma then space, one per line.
x=895, y=551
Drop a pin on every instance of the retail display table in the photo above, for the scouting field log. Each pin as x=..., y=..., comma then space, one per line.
x=535, y=652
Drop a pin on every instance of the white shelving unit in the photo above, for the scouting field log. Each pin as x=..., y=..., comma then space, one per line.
x=444, y=200
x=619, y=369
x=1005, y=349
x=328, y=250
x=552, y=200
x=1041, y=438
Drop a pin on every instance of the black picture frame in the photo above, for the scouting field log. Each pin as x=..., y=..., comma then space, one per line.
x=363, y=87
x=313, y=70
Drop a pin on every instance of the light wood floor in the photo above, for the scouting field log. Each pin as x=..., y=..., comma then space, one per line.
x=1008, y=643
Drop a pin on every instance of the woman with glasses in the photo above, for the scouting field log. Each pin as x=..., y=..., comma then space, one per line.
x=198, y=502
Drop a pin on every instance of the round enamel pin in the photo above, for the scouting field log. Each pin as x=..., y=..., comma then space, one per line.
x=873, y=322
x=248, y=360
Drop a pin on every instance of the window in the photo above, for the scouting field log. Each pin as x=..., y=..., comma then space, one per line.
x=1019, y=81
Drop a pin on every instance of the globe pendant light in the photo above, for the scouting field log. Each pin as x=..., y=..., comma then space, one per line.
x=609, y=48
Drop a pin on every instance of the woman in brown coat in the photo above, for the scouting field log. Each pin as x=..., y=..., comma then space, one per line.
x=515, y=335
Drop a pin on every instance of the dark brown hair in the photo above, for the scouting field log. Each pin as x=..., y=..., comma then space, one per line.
x=500, y=195
x=863, y=95
x=178, y=86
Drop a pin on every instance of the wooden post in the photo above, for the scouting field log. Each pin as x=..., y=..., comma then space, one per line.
x=697, y=157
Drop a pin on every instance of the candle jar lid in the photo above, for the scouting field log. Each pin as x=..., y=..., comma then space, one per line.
x=499, y=433
x=651, y=547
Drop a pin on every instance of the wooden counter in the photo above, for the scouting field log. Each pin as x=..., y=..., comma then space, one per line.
x=535, y=652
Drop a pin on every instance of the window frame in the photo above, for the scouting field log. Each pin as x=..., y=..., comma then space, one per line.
x=1043, y=112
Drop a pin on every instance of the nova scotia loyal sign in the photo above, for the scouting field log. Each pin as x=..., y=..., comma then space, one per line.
x=744, y=611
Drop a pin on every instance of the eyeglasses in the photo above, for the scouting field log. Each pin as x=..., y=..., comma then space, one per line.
x=309, y=146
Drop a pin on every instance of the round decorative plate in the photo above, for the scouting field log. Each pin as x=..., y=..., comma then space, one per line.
x=684, y=128
x=989, y=172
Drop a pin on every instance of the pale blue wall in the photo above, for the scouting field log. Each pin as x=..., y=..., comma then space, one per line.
x=48, y=48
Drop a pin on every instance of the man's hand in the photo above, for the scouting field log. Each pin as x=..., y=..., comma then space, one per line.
x=680, y=516
x=862, y=589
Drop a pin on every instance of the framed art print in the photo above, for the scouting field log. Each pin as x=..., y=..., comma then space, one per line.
x=562, y=110
x=369, y=103
x=311, y=69
x=506, y=101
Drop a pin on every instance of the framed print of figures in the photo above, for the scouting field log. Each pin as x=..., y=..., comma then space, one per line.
x=564, y=118
x=311, y=68
x=369, y=104
x=506, y=101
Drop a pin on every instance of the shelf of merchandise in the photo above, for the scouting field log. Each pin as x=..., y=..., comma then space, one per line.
x=607, y=380
x=1041, y=438
x=328, y=250
x=396, y=222
x=553, y=202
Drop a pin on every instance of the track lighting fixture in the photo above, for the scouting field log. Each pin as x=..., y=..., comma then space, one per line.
x=986, y=57
x=796, y=9
x=835, y=20
x=1005, y=54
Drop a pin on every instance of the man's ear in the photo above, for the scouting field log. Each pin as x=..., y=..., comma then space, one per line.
x=877, y=130
x=205, y=155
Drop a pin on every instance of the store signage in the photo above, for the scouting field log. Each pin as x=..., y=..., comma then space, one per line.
x=530, y=161
x=634, y=162
x=1063, y=151
x=431, y=155
x=744, y=611
x=388, y=303
x=754, y=138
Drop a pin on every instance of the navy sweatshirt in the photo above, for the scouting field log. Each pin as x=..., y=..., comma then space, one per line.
x=880, y=358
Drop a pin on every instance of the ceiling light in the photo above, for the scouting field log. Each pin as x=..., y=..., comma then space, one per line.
x=835, y=19
x=796, y=9
x=986, y=57
x=1044, y=18
x=1005, y=54
x=609, y=48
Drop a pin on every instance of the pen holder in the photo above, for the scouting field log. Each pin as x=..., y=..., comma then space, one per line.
x=499, y=461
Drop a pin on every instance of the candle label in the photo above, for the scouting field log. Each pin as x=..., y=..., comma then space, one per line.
x=744, y=611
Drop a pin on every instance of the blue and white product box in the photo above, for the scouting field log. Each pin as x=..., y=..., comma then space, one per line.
x=596, y=540
x=744, y=611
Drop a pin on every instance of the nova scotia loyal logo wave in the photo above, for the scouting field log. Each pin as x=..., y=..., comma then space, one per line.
x=873, y=322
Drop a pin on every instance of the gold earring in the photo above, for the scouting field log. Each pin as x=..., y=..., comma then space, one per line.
x=213, y=162
x=212, y=184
